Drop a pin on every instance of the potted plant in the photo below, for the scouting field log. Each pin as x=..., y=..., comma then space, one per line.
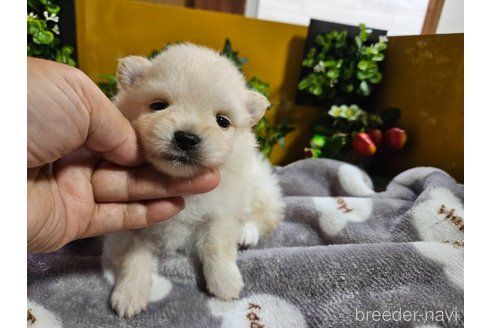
x=341, y=68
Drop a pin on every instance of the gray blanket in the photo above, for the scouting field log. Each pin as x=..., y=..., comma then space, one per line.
x=346, y=256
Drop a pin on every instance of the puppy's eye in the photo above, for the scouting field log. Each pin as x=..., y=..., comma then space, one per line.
x=223, y=122
x=159, y=105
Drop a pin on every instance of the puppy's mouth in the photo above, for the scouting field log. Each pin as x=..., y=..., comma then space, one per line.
x=188, y=159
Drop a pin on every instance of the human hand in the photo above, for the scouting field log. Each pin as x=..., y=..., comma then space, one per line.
x=86, y=176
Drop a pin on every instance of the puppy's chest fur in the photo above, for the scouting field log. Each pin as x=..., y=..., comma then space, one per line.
x=231, y=201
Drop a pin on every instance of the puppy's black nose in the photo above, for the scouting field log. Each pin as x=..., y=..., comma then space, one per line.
x=186, y=140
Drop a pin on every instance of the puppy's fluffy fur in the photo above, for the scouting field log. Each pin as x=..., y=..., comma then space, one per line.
x=193, y=111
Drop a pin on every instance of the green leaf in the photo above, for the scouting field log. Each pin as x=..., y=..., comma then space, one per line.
x=371, y=51
x=333, y=74
x=43, y=37
x=376, y=78
x=311, y=53
x=316, y=90
x=358, y=42
x=227, y=47
x=303, y=84
x=330, y=63
x=33, y=26
x=340, y=40
x=232, y=55
x=52, y=8
x=348, y=72
x=67, y=50
x=34, y=5
x=348, y=88
x=381, y=46
x=363, y=33
x=378, y=57
x=267, y=149
x=259, y=86
x=308, y=62
x=361, y=75
x=318, y=141
x=363, y=65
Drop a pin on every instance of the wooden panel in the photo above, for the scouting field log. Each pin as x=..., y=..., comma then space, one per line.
x=434, y=9
x=424, y=77
x=179, y=3
x=227, y=6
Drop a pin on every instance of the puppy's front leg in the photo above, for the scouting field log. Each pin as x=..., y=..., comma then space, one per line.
x=217, y=249
x=131, y=261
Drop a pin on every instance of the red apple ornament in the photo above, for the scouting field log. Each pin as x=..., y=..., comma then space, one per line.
x=376, y=136
x=395, y=138
x=363, y=145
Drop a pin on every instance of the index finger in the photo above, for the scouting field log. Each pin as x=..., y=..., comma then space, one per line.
x=114, y=183
x=113, y=217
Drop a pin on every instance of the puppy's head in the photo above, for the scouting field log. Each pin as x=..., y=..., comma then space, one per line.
x=189, y=106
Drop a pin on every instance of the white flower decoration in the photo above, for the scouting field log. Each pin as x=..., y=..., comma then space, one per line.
x=335, y=111
x=51, y=17
x=343, y=111
x=55, y=29
x=352, y=112
x=32, y=15
x=320, y=67
x=383, y=38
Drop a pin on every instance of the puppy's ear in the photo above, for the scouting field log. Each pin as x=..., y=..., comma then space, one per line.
x=256, y=104
x=130, y=69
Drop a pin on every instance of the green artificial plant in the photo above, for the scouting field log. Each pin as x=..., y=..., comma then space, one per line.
x=43, y=39
x=340, y=67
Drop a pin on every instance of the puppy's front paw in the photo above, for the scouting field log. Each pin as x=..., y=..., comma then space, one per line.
x=249, y=235
x=224, y=281
x=129, y=301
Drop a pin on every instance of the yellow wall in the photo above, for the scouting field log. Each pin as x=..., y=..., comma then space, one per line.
x=424, y=76
x=424, y=79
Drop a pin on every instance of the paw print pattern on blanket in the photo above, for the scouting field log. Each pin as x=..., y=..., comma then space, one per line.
x=39, y=317
x=439, y=217
x=257, y=311
x=335, y=213
x=450, y=256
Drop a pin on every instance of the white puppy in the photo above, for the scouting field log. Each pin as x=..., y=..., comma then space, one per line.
x=193, y=111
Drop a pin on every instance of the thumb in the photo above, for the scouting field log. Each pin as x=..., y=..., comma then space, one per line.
x=110, y=133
